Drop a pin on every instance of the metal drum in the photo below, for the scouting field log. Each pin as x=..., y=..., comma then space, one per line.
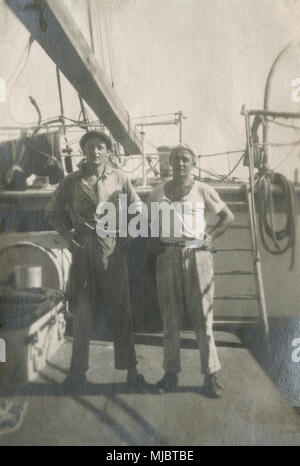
x=18, y=258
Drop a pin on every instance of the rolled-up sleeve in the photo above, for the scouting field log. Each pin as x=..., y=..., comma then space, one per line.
x=212, y=200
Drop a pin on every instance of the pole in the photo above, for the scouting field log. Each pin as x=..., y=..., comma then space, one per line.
x=83, y=110
x=180, y=117
x=60, y=97
x=251, y=182
x=142, y=133
x=253, y=224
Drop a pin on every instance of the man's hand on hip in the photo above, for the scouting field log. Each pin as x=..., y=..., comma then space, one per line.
x=208, y=241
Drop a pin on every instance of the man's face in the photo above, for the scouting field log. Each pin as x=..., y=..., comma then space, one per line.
x=182, y=164
x=95, y=150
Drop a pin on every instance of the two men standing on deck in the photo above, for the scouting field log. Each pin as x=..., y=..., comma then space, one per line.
x=184, y=265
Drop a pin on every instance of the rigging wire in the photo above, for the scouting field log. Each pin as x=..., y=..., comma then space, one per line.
x=281, y=124
x=133, y=170
x=22, y=57
x=277, y=144
x=153, y=116
x=285, y=158
x=233, y=169
x=209, y=172
x=221, y=153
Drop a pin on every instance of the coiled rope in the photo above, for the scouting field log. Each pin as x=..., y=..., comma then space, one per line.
x=267, y=180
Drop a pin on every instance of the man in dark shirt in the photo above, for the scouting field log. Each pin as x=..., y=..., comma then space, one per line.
x=98, y=262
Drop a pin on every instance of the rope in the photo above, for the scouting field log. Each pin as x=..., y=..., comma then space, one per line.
x=282, y=124
x=277, y=144
x=209, y=173
x=222, y=153
x=233, y=169
x=25, y=54
x=131, y=171
x=266, y=208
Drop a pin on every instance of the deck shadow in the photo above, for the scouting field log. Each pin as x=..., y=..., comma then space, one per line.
x=109, y=391
x=58, y=389
x=277, y=363
x=91, y=389
x=185, y=343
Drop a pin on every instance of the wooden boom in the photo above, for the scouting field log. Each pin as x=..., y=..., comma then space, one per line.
x=52, y=26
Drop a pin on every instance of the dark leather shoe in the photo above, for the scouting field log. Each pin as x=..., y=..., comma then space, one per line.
x=212, y=387
x=137, y=382
x=168, y=383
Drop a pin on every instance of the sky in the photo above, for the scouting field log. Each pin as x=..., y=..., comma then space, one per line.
x=204, y=57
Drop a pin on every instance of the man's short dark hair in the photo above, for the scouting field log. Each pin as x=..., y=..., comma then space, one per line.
x=95, y=134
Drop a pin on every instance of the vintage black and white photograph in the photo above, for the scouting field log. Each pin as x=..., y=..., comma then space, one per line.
x=149, y=224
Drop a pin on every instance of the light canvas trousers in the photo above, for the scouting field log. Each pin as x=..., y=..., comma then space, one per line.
x=185, y=280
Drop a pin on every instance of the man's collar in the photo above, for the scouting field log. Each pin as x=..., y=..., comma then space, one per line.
x=107, y=170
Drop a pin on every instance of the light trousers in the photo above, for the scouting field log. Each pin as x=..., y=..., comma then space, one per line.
x=185, y=281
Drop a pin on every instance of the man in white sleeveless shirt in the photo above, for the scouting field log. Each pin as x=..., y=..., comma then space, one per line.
x=184, y=270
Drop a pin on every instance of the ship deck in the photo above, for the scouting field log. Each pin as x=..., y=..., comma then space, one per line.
x=252, y=411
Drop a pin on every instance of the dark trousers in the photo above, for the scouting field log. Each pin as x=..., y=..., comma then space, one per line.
x=101, y=266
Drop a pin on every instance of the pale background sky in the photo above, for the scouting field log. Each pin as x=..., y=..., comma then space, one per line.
x=204, y=57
